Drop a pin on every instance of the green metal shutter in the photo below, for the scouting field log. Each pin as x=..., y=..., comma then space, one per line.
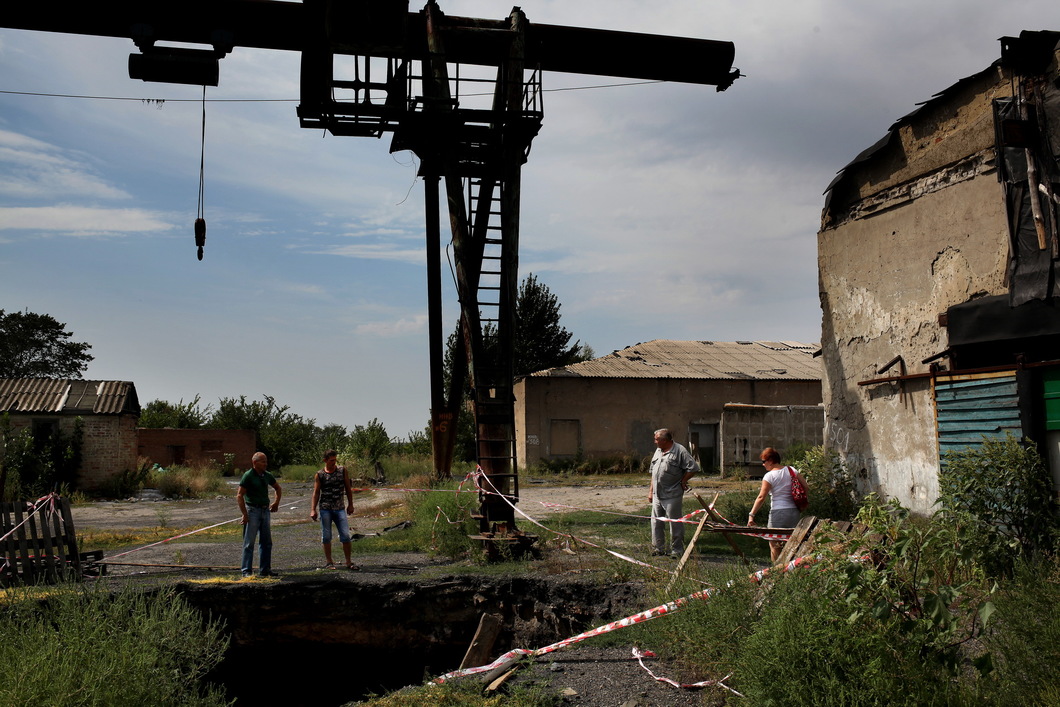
x=971, y=407
x=1051, y=386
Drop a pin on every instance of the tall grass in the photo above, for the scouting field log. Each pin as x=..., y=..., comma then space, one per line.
x=198, y=481
x=596, y=466
x=922, y=623
x=85, y=646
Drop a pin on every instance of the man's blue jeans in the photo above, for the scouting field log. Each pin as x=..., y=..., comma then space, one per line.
x=258, y=522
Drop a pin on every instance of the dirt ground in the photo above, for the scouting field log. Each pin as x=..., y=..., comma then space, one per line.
x=149, y=510
x=588, y=676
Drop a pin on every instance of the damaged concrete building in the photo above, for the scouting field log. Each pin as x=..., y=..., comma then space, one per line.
x=938, y=264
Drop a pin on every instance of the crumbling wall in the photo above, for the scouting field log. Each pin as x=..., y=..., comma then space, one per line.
x=918, y=227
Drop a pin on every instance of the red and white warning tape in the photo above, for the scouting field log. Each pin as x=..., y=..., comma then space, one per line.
x=513, y=655
x=641, y=655
x=662, y=610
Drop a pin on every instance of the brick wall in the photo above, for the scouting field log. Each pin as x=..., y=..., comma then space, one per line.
x=108, y=447
x=167, y=446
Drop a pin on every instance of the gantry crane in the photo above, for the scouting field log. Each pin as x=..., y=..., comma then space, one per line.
x=406, y=73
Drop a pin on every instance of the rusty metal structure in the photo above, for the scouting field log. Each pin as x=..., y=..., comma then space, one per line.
x=370, y=67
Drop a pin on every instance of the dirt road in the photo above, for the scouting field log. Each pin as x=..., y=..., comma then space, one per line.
x=151, y=511
x=296, y=541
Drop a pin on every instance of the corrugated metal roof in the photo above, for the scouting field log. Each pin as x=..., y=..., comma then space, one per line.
x=737, y=360
x=61, y=395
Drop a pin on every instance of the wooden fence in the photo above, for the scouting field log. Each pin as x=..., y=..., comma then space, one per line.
x=37, y=542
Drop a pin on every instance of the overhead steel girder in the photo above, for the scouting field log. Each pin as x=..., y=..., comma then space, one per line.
x=289, y=26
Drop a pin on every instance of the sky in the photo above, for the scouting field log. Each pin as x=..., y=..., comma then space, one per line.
x=651, y=210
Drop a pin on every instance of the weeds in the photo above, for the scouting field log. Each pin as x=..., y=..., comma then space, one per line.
x=1024, y=639
x=199, y=481
x=111, y=540
x=598, y=466
x=90, y=647
x=128, y=482
x=832, y=490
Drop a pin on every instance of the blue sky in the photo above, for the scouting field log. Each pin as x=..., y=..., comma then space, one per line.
x=652, y=211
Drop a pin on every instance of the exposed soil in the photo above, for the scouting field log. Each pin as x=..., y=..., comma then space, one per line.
x=590, y=676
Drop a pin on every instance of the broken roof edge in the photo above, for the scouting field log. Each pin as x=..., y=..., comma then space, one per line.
x=892, y=132
x=1032, y=52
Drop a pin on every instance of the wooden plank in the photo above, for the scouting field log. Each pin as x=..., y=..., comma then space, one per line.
x=42, y=560
x=8, y=546
x=478, y=653
x=51, y=516
x=688, y=552
x=493, y=686
x=26, y=570
x=70, y=538
x=718, y=519
x=798, y=536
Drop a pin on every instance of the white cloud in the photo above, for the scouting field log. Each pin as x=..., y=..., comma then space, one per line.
x=80, y=221
x=394, y=328
x=374, y=251
x=33, y=169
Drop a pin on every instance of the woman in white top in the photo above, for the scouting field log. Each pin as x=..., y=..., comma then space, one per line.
x=783, y=513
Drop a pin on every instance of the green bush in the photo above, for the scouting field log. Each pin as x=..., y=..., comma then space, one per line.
x=84, y=646
x=808, y=648
x=1003, y=488
x=36, y=464
x=368, y=442
x=198, y=481
x=442, y=521
x=831, y=485
x=416, y=444
x=127, y=482
x=883, y=619
x=735, y=505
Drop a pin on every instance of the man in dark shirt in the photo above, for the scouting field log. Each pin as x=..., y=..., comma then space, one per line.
x=253, y=501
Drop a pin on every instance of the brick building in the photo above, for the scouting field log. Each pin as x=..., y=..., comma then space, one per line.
x=167, y=446
x=109, y=411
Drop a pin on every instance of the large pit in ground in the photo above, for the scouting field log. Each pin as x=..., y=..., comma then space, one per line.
x=333, y=640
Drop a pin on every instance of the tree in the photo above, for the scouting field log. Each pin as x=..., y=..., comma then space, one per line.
x=284, y=437
x=185, y=416
x=37, y=346
x=370, y=442
x=539, y=342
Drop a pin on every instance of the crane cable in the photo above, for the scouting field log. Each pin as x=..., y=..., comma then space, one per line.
x=200, y=221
